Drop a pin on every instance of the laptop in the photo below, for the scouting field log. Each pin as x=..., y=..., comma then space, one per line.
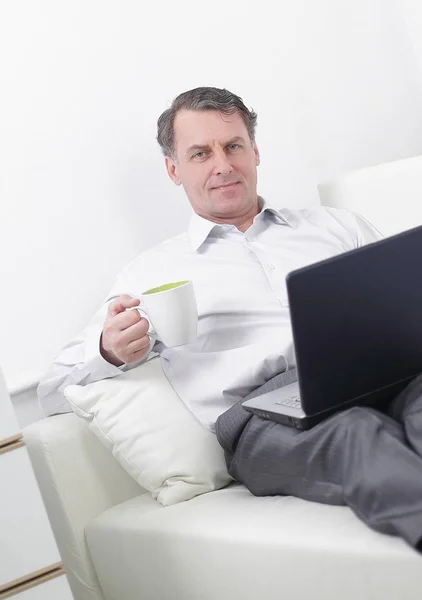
x=357, y=331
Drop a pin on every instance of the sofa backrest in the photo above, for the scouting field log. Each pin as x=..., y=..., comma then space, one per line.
x=388, y=195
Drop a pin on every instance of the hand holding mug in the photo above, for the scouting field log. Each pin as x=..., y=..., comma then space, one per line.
x=124, y=339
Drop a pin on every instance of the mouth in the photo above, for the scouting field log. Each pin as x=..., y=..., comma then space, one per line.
x=228, y=186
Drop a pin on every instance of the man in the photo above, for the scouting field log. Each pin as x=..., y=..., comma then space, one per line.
x=237, y=251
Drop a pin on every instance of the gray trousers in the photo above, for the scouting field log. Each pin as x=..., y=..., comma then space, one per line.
x=368, y=459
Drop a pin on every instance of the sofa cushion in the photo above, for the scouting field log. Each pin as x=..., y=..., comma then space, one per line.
x=230, y=544
x=139, y=417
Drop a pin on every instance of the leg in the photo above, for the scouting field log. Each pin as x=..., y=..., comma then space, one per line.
x=359, y=457
x=407, y=408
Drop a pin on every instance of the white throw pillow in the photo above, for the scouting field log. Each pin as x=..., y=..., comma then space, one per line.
x=153, y=435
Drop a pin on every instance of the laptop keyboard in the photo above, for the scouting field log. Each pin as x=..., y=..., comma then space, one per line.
x=291, y=401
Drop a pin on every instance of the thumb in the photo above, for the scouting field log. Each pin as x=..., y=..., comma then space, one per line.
x=122, y=303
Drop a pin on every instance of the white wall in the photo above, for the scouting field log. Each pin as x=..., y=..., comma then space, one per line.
x=411, y=13
x=82, y=186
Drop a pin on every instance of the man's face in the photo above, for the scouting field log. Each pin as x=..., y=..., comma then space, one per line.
x=216, y=162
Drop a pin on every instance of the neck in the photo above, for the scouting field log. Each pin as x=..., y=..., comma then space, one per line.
x=243, y=225
x=242, y=222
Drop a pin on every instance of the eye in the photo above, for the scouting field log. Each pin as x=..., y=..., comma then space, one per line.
x=199, y=155
x=233, y=147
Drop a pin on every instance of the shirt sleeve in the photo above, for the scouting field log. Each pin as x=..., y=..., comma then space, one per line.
x=366, y=233
x=359, y=231
x=80, y=361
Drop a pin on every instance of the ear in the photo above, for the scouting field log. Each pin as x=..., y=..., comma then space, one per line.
x=172, y=170
x=256, y=152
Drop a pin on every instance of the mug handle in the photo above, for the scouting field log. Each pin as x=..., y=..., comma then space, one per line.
x=141, y=309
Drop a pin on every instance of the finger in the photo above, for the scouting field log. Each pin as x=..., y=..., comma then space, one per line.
x=133, y=333
x=121, y=303
x=128, y=341
x=128, y=319
x=125, y=319
x=138, y=345
x=133, y=358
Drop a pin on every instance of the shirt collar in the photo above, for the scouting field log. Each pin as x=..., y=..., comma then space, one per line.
x=199, y=228
x=284, y=215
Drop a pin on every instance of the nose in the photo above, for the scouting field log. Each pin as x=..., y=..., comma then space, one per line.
x=222, y=165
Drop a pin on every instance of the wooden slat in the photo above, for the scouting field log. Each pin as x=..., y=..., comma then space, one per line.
x=31, y=580
x=11, y=443
x=11, y=440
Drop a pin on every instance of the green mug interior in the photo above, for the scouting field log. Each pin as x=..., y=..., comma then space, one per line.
x=166, y=286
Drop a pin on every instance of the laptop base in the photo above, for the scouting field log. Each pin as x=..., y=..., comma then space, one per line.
x=270, y=405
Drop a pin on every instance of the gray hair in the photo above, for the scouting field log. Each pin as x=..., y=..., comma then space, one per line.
x=202, y=98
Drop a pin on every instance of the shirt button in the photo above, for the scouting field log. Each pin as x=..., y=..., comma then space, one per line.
x=270, y=266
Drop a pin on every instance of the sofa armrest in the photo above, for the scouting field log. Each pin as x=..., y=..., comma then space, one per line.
x=78, y=479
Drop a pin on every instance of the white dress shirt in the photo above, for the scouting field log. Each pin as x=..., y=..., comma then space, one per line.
x=244, y=333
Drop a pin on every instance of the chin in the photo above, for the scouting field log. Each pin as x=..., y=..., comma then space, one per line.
x=236, y=201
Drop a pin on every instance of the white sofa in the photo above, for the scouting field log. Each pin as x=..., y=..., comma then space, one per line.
x=117, y=543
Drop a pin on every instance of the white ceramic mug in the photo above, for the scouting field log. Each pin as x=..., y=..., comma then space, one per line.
x=173, y=313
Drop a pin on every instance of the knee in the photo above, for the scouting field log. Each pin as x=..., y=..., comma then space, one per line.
x=359, y=414
x=356, y=413
x=361, y=419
